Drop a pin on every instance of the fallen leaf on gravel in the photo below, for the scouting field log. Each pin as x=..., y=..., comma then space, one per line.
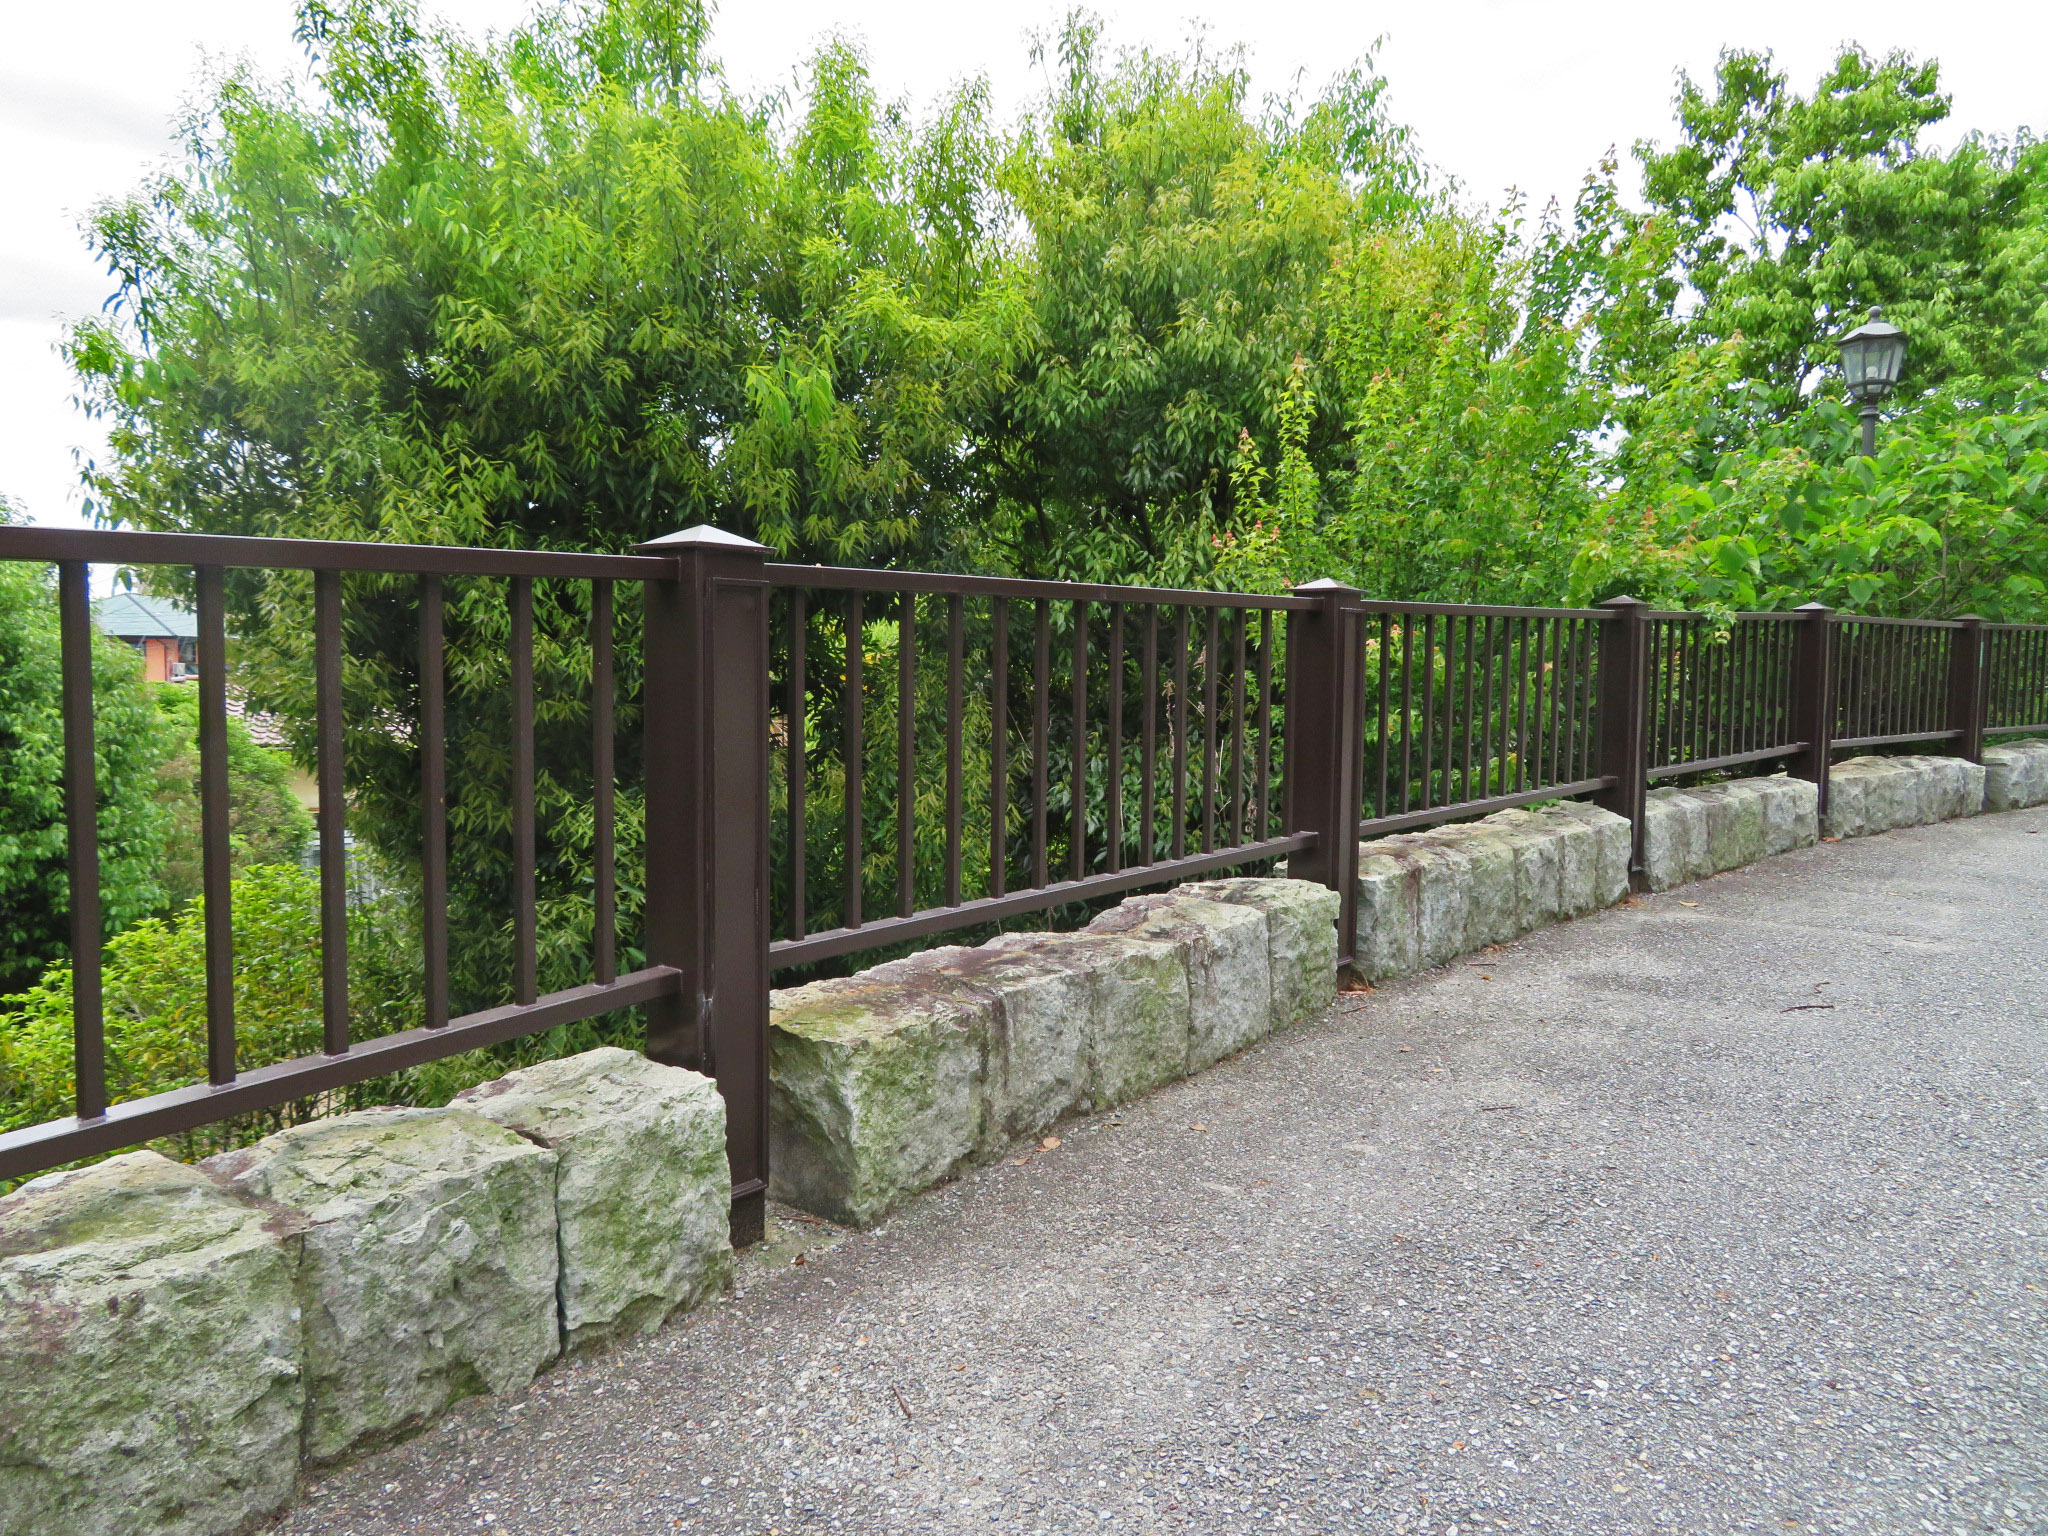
x=1048, y=1144
x=1198, y=1127
x=1688, y=903
x=1405, y=1048
x=1021, y=1161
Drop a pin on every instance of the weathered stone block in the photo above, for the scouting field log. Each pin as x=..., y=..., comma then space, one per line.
x=1039, y=1021
x=1230, y=989
x=1613, y=842
x=643, y=1194
x=1880, y=794
x=1791, y=812
x=1735, y=823
x=2015, y=775
x=875, y=1091
x=429, y=1263
x=1539, y=851
x=149, y=1354
x=1488, y=881
x=1138, y=1007
x=1674, y=839
x=1301, y=939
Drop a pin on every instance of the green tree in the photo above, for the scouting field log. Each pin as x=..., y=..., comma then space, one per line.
x=128, y=746
x=559, y=290
x=1778, y=219
x=266, y=823
x=1178, y=249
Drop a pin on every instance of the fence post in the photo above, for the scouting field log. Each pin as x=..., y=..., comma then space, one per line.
x=1813, y=700
x=1324, y=746
x=1624, y=702
x=706, y=763
x=1966, y=686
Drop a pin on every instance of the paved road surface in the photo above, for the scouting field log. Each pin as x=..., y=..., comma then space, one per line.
x=1718, y=1212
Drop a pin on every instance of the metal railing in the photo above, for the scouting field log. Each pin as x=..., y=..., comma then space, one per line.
x=837, y=760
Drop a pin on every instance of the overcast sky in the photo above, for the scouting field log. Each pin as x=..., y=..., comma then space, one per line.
x=1502, y=93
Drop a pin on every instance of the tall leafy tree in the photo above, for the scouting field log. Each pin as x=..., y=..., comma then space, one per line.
x=128, y=747
x=1179, y=243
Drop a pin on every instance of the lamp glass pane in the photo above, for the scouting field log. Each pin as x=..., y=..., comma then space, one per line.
x=1854, y=356
x=1890, y=359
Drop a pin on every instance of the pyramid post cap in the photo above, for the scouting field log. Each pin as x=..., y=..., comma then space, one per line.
x=1325, y=584
x=1813, y=608
x=703, y=536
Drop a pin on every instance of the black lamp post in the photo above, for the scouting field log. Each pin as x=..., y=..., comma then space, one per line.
x=1872, y=356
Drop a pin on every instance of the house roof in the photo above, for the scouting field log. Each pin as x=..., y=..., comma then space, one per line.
x=131, y=616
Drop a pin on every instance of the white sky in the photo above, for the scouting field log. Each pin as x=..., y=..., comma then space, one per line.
x=1522, y=93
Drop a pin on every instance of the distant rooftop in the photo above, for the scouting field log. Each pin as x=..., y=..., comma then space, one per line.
x=131, y=616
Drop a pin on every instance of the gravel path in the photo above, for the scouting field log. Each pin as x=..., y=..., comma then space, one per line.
x=1718, y=1212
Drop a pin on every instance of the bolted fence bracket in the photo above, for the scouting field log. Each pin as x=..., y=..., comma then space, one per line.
x=706, y=763
x=1623, y=751
x=1325, y=745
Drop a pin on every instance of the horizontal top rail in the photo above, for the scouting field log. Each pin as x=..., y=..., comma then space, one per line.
x=854, y=579
x=1694, y=616
x=123, y=547
x=1864, y=618
x=1395, y=607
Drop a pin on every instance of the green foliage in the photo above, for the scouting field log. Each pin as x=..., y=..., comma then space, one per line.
x=1947, y=518
x=128, y=748
x=1178, y=250
x=1778, y=219
x=155, y=996
x=266, y=823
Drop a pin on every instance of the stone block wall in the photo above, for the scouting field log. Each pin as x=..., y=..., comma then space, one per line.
x=1425, y=898
x=1882, y=794
x=1689, y=834
x=2015, y=775
x=885, y=1083
x=175, y=1341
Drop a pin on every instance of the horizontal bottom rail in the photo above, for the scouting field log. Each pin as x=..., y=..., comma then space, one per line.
x=1894, y=741
x=890, y=930
x=2007, y=730
x=1430, y=816
x=36, y=1147
x=1727, y=760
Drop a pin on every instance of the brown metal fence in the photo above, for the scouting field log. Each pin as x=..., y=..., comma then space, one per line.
x=836, y=760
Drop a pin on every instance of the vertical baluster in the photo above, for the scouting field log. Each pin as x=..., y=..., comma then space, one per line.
x=1239, y=710
x=332, y=827
x=1209, y=728
x=1264, y=827
x=216, y=876
x=1114, y=799
x=1466, y=729
x=1386, y=721
x=1588, y=712
x=1521, y=654
x=433, y=801
x=1077, y=835
x=1041, y=733
x=525, y=921
x=1180, y=733
x=956, y=682
x=1428, y=709
x=855, y=760
x=1489, y=709
x=797, y=716
x=603, y=786
x=906, y=755
x=999, y=736
x=1448, y=792
x=82, y=842
x=1407, y=712
x=1148, y=737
